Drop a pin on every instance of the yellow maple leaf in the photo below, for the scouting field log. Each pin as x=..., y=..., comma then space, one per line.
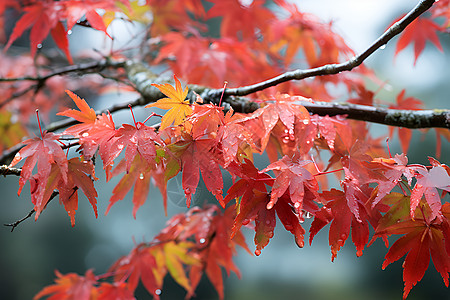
x=175, y=102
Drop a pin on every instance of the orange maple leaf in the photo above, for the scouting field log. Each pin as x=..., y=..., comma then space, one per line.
x=175, y=102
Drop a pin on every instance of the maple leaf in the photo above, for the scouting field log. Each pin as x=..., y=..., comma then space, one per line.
x=251, y=180
x=141, y=264
x=175, y=102
x=338, y=212
x=94, y=132
x=391, y=169
x=43, y=17
x=138, y=175
x=409, y=103
x=45, y=152
x=294, y=118
x=85, y=115
x=423, y=236
x=240, y=19
x=290, y=174
x=115, y=291
x=232, y=138
x=418, y=32
x=177, y=254
x=336, y=132
x=196, y=157
x=427, y=182
x=71, y=286
x=78, y=177
x=140, y=139
x=74, y=10
x=219, y=253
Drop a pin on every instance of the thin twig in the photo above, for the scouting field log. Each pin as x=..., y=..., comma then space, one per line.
x=330, y=69
x=5, y=170
x=17, y=223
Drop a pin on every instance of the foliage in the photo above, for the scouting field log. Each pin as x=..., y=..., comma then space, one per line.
x=200, y=136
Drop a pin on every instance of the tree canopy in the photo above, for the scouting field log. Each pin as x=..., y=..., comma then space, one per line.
x=225, y=81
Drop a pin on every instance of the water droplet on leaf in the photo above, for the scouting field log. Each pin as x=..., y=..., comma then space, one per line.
x=141, y=176
x=202, y=241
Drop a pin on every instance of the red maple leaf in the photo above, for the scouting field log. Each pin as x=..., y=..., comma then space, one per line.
x=115, y=291
x=232, y=138
x=410, y=103
x=45, y=152
x=337, y=211
x=427, y=183
x=391, y=170
x=140, y=264
x=294, y=118
x=43, y=17
x=196, y=156
x=75, y=10
x=94, y=131
x=139, y=176
x=70, y=286
x=291, y=174
x=418, y=32
x=240, y=19
x=140, y=139
x=423, y=236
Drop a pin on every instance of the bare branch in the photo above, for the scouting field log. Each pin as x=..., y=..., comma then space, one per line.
x=85, y=68
x=90, y=67
x=5, y=170
x=331, y=69
x=17, y=223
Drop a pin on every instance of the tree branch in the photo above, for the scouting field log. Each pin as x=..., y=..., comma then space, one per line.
x=5, y=170
x=85, y=68
x=17, y=223
x=95, y=66
x=331, y=69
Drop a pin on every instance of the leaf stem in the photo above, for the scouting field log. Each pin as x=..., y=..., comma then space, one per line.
x=39, y=123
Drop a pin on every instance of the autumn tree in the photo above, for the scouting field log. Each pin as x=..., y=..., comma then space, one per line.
x=274, y=80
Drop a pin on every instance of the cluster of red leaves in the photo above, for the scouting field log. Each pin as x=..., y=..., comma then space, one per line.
x=44, y=17
x=200, y=139
x=196, y=140
x=191, y=244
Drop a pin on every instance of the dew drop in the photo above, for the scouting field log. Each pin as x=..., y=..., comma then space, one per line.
x=297, y=205
x=245, y=222
x=202, y=241
x=257, y=252
x=69, y=32
x=382, y=47
x=120, y=146
x=343, y=236
x=141, y=176
x=268, y=222
x=85, y=134
x=39, y=46
x=158, y=292
x=286, y=131
x=187, y=191
x=305, y=121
